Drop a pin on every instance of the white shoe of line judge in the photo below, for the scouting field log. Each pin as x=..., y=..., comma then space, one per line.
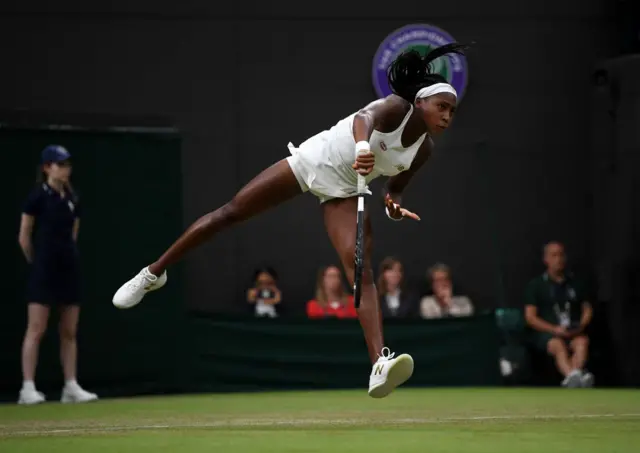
x=71, y=393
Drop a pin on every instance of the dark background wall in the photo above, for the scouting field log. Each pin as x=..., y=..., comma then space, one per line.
x=242, y=82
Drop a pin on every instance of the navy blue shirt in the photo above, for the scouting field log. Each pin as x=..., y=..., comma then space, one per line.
x=55, y=216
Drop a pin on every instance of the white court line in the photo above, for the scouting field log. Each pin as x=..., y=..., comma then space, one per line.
x=257, y=423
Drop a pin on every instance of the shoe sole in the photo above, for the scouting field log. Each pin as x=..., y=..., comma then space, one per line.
x=399, y=373
x=26, y=403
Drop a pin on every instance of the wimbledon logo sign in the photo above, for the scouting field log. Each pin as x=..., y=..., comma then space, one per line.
x=423, y=38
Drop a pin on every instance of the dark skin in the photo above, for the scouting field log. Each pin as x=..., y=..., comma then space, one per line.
x=277, y=184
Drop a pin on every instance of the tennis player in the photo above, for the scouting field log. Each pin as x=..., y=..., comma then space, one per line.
x=395, y=135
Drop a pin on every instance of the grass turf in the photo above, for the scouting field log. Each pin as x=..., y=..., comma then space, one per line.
x=420, y=420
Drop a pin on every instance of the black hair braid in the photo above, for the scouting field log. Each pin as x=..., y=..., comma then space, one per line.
x=410, y=71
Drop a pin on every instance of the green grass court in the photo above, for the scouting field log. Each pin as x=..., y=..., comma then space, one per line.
x=410, y=420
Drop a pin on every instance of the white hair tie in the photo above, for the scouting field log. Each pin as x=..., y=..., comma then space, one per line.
x=435, y=89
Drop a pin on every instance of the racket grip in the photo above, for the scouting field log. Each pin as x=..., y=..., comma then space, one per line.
x=362, y=147
x=362, y=185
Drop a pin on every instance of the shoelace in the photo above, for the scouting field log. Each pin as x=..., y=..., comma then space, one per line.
x=386, y=354
x=142, y=281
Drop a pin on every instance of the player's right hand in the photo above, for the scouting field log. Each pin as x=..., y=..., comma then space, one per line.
x=364, y=163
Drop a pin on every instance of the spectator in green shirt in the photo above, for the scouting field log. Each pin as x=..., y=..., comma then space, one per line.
x=558, y=310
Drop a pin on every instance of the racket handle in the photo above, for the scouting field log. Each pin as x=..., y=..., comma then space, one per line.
x=362, y=148
x=362, y=185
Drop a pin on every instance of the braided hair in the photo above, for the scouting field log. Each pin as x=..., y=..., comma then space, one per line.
x=410, y=71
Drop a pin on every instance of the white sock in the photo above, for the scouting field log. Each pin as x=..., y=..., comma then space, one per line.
x=29, y=386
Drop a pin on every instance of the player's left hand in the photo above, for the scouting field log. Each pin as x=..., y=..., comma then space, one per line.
x=396, y=211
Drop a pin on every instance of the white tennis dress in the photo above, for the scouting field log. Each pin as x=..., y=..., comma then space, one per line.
x=323, y=163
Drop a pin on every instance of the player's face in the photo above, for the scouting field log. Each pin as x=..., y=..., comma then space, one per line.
x=437, y=111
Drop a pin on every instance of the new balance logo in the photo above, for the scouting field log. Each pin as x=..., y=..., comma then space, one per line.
x=378, y=369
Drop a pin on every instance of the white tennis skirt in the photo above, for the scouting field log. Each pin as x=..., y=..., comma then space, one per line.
x=316, y=173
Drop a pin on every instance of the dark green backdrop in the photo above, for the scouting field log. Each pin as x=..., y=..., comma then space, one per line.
x=131, y=189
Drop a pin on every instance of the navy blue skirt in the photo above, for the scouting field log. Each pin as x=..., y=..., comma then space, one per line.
x=54, y=280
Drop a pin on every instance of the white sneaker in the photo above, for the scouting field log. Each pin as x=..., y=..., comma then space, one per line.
x=388, y=373
x=573, y=380
x=588, y=379
x=131, y=293
x=76, y=394
x=31, y=396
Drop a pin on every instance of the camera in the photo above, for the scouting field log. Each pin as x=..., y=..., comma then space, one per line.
x=265, y=293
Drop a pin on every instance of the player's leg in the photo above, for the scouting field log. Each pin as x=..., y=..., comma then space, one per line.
x=271, y=187
x=388, y=372
x=340, y=222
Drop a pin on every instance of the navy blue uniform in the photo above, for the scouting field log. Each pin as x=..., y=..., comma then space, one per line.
x=54, y=277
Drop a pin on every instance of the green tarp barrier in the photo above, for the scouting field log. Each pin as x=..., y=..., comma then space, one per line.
x=288, y=354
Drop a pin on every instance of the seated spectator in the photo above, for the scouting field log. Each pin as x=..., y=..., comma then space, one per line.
x=395, y=300
x=265, y=294
x=332, y=299
x=557, y=309
x=442, y=303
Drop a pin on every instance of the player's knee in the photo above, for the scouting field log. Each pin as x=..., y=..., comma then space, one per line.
x=347, y=255
x=350, y=269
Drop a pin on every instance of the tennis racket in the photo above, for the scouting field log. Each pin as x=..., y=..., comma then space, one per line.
x=359, y=255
